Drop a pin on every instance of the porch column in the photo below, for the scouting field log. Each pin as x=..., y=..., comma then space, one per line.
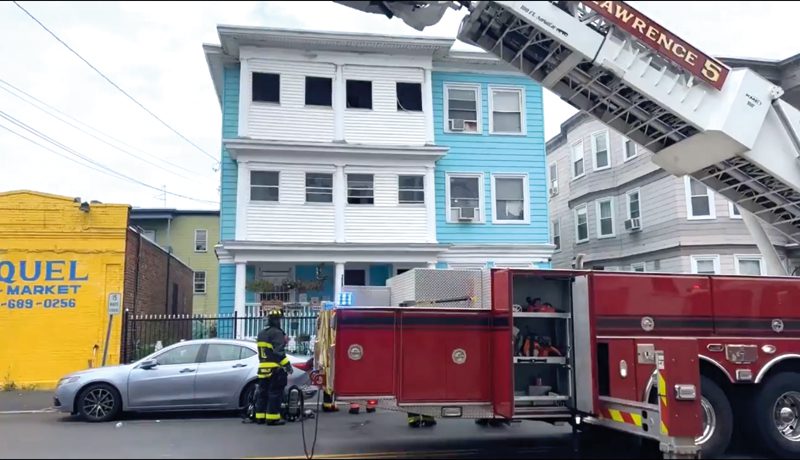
x=338, y=281
x=339, y=203
x=239, y=292
x=430, y=204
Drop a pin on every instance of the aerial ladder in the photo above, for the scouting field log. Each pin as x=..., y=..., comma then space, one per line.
x=727, y=128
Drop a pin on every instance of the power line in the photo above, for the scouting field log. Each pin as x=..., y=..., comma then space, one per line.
x=104, y=169
x=114, y=84
x=84, y=131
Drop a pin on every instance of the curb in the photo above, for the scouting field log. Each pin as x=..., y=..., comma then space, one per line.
x=37, y=411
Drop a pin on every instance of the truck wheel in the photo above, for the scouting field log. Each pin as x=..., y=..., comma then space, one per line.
x=776, y=414
x=717, y=419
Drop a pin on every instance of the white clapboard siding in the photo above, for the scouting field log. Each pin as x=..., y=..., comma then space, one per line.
x=384, y=124
x=291, y=120
x=385, y=224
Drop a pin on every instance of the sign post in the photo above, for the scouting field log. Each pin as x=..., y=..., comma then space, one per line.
x=114, y=307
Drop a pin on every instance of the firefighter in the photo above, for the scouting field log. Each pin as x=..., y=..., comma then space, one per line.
x=273, y=370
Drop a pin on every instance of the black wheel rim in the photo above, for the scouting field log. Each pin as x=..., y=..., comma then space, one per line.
x=98, y=403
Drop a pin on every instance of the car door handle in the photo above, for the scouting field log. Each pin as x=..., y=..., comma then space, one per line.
x=239, y=365
x=188, y=369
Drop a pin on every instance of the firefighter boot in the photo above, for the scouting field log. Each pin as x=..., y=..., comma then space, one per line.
x=328, y=404
x=427, y=421
x=414, y=420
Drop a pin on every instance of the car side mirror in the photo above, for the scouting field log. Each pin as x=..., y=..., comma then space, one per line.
x=148, y=364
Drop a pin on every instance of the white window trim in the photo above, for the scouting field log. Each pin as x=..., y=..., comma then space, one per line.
x=738, y=258
x=481, y=197
x=424, y=192
x=522, y=117
x=613, y=220
x=347, y=189
x=195, y=240
x=250, y=186
x=573, y=159
x=333, y=189
x=205, y=282
x=585, y=207
x=639, y=264
x=526, y=199
x=550, y=177
x=594, y=150
x=628, y=205
x=687, y=189
x=625, y=153
x=730, y=211
x=478, y=107
x=696, y=258
x=553, y=235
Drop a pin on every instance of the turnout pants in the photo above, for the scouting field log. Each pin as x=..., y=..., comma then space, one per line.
x=271, y=384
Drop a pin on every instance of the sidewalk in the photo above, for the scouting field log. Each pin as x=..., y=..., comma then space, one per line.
x=13, y=401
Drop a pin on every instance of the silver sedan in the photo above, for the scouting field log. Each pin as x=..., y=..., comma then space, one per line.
x=207, y=374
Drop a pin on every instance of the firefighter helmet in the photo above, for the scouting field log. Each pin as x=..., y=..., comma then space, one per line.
x=275, y=313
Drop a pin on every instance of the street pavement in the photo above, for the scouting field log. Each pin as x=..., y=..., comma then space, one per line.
x=223, y=435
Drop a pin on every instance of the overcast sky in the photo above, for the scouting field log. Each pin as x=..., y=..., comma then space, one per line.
x=154, y=52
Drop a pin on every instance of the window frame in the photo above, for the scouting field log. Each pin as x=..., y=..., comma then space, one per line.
x=738, y=258
x=592, y=136
x=250, y=197
x=625, y=157
x=194, y=282
x=555, y=223
x=598, y=203
x=478, y=107
x=305, y=189
x=252, y=88
x=147, y=231
x=239, y=347
x=690, y=209
x=573, y=159
x=481, y=196
x=205, y=250
x=364, y=270
x=305, y=92
x=577, y=213
x=637, y=191
x=551, y=167
x=397, y=97
x=520, y=90
x=731, y=214
x=695, y=258
x=348, y=188
x=411, y=203
x=371, y=94
x=198, y=357
x=526, y=201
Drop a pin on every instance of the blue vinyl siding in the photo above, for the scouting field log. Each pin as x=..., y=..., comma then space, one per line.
x=486, y=153
x=309, y=273
x=228, y=168
x=378, y=274
x=227, y=283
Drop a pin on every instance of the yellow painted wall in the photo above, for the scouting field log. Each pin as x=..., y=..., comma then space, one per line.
x=58, y=265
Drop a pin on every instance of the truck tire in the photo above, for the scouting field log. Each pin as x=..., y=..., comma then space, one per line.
x=715, y=406
x=776, y=414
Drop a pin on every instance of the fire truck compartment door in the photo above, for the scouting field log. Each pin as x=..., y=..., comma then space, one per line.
x=584, y=347
x=364, y=363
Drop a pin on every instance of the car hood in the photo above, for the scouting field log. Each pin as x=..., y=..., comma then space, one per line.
x=100, y=370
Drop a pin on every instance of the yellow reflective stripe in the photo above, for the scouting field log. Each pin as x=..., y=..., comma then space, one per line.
x=267, y=365
x=265, y=344
x=260, y=415
x=664, y=429
x=616, y=416
x=637, y=419
x=285, y=361
x=273, y=416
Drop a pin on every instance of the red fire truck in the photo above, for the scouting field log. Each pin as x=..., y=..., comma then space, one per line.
x=680, y=359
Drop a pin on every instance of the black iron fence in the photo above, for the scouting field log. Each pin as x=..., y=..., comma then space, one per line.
x=145, y=334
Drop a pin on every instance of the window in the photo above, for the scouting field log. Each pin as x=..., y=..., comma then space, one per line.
x=150, y=235
x=200, y=282
x=749, y=265
x=553, y=178
x=602, y=157
x=264, y=185
x=409, y=97
x=509, y=198
x=605, y=218
x=411, y=189
x=360, y=189
x=638, y=267
x=464, y=192
x=630, y=149
x=556, y=234
x=200, y=240
x=266, y=87
x=184, y=354
x=733, y=211
x=218, y=352
x=359, y=94
x=506, y=111
x=246, y=353
x=319, y=91
x=355, y=277
x=699, y=200
x=581, y=224
x=577, y=160
x=634, y=206
x=400, y=271
x=319, y=188
x=705, y=265
x=462, y=109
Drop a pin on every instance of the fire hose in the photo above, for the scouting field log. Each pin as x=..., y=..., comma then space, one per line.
x=295, y=408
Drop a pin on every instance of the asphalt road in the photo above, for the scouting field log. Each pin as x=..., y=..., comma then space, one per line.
x=341, y=435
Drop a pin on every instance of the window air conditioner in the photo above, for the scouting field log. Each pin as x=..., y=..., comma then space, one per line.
x=554, y=190
x=633, y=224
x=456, y=125
x=467, y=213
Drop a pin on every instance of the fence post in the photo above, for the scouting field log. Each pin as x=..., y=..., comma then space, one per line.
x=123, y=352
x=235, y=321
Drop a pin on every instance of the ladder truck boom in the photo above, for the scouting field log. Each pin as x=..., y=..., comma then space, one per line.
x=727, y=128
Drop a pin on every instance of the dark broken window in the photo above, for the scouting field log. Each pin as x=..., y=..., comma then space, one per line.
x=359, y=94
x=409, y=97
x=266, y=87
x=318, y=91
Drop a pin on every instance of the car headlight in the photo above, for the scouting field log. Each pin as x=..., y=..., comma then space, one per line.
x=66, y=380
